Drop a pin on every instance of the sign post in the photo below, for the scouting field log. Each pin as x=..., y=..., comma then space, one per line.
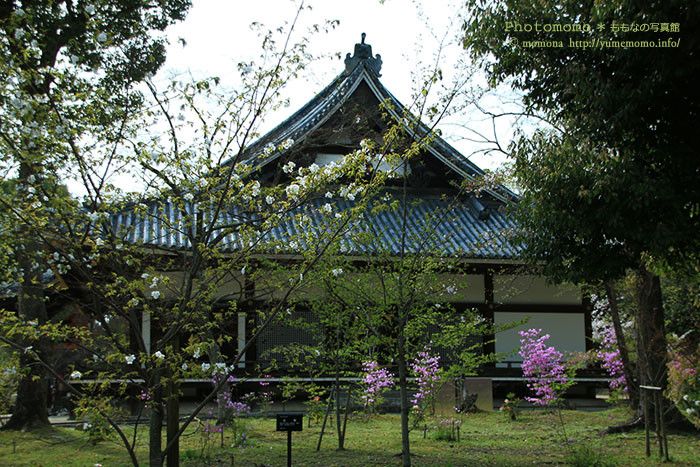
x=658, y=403
x=289, y=421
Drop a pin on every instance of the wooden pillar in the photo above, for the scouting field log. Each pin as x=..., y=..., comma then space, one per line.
x=490, y=346
x=587, y=323
x=241, y=337
x=146, y=330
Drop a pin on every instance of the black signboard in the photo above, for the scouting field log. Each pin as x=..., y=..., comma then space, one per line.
x=289, y=421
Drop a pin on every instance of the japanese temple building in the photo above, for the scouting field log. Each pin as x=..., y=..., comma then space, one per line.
x=494, y=279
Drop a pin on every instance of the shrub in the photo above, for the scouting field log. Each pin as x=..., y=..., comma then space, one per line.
x=547, y=376
x=9, y=379
x=510, y=406
x=609, y=354
x=585, y=455
x=684, y=381
x=447, y=429
x=426, y=368
x=375, y=382
x=94, y=411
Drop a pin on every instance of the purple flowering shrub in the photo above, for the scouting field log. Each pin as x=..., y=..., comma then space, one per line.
x=609, y=354
x=234, y=410
x=375, y=382
x=684, y=382
x=426, y=368
x=208, y=434
x=146, y=399
x=447, y=429
x=547, y=376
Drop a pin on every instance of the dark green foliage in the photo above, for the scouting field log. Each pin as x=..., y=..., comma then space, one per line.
x=682, y=304
x=614, y=183
x=618, y=179
x=128, y=51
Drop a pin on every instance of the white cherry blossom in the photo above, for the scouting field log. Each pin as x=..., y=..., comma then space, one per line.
x=288, y=167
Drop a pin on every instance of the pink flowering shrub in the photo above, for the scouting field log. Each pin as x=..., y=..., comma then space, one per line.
x=609, y=354
x=426, y=368
x=447, y=429
x=146, y=399
x=315, y=408
x=510, y=406
x=684, y=383
x=375, y=382
x=547, y=376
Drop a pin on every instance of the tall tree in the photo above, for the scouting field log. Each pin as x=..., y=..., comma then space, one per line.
x=67, y=69
x=154, y=309
x=613, y=185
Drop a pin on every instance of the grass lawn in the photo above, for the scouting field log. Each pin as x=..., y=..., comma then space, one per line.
x=535, y=438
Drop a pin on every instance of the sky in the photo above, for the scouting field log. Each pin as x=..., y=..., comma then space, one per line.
x=406, y=33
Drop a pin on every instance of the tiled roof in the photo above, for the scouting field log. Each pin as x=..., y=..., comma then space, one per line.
x=433, y=224
x=319, y=109
x=467, y=228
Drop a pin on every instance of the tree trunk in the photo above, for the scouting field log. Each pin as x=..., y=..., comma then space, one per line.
x=173, y=423
x=224, y=394
x=325, y=419
x=651, y=332
x=336, y=389
x=632, y=383
x=651, y=336
x=30, y=410
x=403, y=392
x=155, y=442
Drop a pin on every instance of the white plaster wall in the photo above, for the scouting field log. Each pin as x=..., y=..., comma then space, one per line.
x=523, y=289
x=455, y=288
x=566, y=330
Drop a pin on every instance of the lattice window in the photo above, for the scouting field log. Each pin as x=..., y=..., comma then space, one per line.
x=280, y=335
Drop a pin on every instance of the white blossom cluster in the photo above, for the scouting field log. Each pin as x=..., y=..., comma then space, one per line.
x=271, y=148
x=288, y=168
x=350, y=192
x=218, y=368
x=694, y=406
x=61, y=266
x=292, y=191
